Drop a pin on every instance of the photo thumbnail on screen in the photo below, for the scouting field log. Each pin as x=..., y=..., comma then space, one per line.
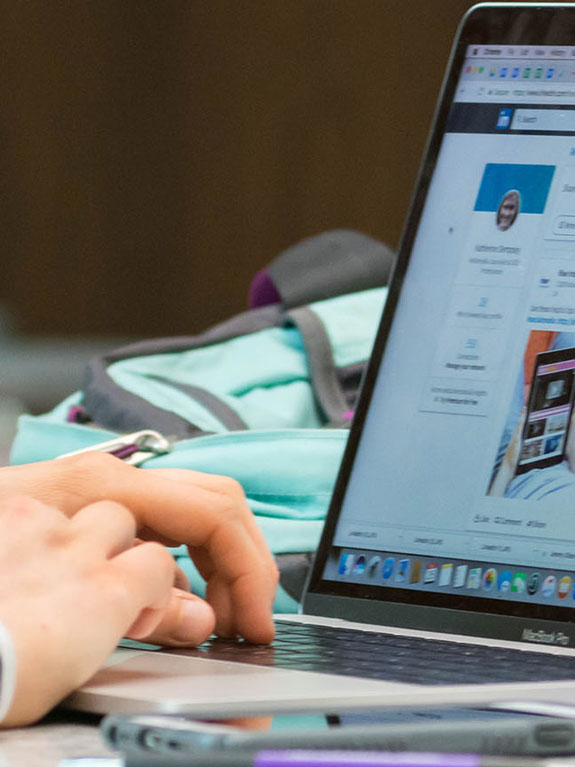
x=510, y=189
x=549, y=409
x=536, y=433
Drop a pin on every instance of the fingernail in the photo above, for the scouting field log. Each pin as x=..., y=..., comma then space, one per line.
x=182, y=594
x=196, y=621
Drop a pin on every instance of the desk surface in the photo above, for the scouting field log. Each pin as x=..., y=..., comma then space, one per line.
x=46, y=743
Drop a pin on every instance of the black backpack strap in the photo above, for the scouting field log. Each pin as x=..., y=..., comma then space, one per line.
x=330, y=264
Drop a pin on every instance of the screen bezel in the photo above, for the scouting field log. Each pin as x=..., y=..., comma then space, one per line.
x=487, y=23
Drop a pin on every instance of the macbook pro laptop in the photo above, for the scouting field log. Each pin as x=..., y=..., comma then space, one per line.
x=446, y=571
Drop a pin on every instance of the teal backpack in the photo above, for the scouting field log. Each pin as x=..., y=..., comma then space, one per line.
x=265, y=397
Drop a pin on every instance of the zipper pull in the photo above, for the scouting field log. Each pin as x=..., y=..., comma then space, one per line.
x=135, y=448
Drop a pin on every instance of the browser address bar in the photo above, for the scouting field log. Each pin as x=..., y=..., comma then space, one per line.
x=548, y=120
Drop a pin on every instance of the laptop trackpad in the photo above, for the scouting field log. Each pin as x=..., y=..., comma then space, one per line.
x=139, y=680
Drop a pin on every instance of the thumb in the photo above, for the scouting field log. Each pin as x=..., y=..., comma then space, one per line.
x=186, y=620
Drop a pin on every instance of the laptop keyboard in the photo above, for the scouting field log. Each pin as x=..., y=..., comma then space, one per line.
x=391, y=658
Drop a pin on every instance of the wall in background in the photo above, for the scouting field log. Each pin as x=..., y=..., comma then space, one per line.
x=154, y=155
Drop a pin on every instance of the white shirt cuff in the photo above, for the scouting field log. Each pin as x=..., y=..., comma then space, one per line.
x=7, y=671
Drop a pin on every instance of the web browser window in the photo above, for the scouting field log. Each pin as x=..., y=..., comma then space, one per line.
x=464, y=478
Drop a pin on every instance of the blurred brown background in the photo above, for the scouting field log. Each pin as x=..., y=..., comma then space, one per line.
x=156, y=153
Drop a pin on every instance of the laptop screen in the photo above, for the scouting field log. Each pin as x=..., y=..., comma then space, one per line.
x=462, y=485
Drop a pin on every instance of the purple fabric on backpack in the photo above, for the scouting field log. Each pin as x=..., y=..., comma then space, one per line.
x=263, y=291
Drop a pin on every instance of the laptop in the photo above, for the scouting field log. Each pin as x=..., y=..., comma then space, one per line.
x=446, y=570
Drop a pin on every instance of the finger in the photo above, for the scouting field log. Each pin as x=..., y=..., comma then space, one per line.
x=25, y=512
x=104, y=528
x=181, y=580
x=240, y=587
x=219, y=595
x=184, y=485
x=222, y=526
x=25, y=519
x=220, y=484
x=140, y=579
x=225, y=597
x=185, y=621
x=144, y=624
x=251, y=722
x=147, y=534
x=220, y=598
x=176, y=510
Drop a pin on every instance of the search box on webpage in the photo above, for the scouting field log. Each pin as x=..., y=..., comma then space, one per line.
x=549, y=120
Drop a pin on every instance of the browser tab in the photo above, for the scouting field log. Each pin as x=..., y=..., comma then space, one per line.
x=529, y=71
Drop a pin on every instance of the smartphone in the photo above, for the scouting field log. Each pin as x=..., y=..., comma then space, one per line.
x=462, y=730
x=549, y=409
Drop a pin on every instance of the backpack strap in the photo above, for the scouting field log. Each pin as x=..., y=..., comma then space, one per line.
x=330, y=264
x=115, y=408
x=223, y=412
x=322, y=368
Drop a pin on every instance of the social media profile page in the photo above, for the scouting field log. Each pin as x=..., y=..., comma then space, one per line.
x=466, y=455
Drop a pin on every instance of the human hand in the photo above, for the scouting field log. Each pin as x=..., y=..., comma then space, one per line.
x=70, y=589
x=206, y=512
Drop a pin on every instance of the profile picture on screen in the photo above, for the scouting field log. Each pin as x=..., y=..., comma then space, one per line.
x=508, y=210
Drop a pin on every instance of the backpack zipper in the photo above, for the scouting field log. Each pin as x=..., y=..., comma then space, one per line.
x=135, y=448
